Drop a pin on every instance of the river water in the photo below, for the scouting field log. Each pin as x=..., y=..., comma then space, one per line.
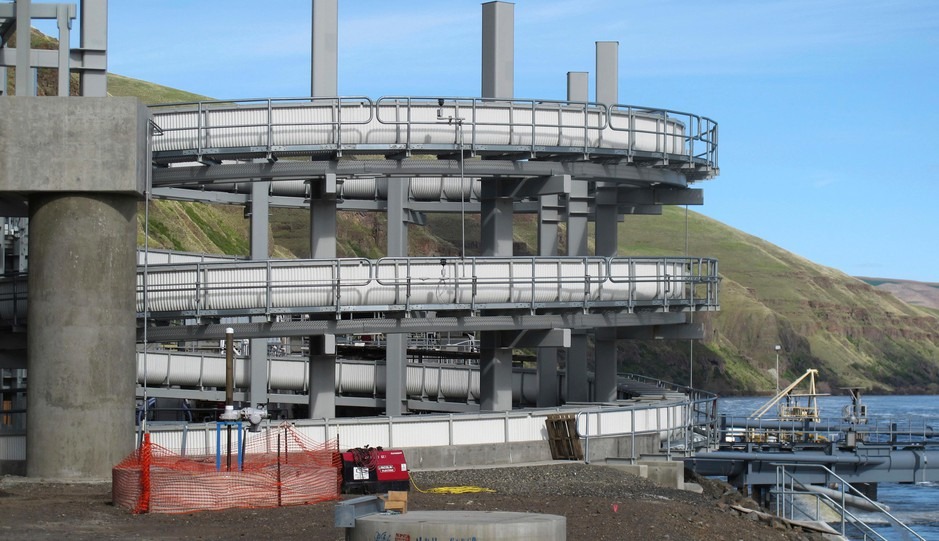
x=917, y=505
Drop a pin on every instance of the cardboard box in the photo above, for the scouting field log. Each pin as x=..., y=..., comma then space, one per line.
x=395, y=500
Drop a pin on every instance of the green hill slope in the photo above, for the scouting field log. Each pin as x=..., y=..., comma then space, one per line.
x=855, y=334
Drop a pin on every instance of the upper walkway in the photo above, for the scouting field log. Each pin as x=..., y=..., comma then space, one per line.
x=540, y=137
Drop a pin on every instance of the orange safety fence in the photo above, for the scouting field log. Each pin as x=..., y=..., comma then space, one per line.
x=279, y=467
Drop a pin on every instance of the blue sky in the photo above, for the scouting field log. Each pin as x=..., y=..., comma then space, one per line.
x=828, y=110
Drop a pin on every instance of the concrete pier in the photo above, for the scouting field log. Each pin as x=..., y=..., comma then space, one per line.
x=80, y=336
x=82, y=164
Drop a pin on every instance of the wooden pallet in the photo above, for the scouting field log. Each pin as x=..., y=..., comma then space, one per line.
x=562, y=437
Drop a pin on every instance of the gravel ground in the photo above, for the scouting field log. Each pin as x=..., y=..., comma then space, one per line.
x=599, y=503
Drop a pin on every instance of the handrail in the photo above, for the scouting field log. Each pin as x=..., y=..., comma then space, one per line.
x=782, y=475
x=521, y=125
x=206, y=108
x=280, y=286
x=687, y=424
x=458, y=282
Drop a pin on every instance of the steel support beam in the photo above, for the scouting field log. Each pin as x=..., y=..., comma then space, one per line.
x=661, y=196
x=24, y=73
x=396, y=349
x=549, y=217
x=259, y=213
x=687, y=331
x=216, y=331
x=576, y=361
x=292, y=170
x=323, y=347
x=540, y=338
x=94, y=48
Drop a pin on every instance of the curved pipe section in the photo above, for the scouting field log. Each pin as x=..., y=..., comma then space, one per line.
x=299, y=126
x=358, y=378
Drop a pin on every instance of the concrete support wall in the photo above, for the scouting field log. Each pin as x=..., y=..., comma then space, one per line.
x=81, y=334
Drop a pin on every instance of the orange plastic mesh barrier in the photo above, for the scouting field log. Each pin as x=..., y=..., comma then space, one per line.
x=280, y=467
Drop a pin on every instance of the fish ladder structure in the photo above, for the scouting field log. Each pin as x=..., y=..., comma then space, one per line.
x=578, y=166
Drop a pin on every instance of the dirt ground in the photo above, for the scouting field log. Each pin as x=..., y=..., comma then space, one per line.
x=600, y=503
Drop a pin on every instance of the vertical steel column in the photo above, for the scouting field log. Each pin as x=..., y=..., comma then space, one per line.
x=323, y=82
x=605, y=339
x=578, y=86
x=397, y=348
x=548, y=219
x=260, y=250
x=322, y=374
x=64, y=76
x=24, y=72
x=495, y=362
x=606, y=225
x=498, y=55
x=577, y=214
x=608, y=72
x=94, y=44
x=325, y=47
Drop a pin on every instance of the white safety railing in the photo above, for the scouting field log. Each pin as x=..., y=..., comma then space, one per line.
x=441, y=284
x=271, y=127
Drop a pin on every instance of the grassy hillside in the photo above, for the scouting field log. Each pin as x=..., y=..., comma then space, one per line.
x=852, y=332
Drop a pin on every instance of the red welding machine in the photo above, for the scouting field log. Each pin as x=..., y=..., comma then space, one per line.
x=370, y=470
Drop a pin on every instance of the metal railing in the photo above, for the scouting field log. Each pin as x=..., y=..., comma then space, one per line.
x=402, y=123
x=394, y=284
x=788, y=486
x=683, y=418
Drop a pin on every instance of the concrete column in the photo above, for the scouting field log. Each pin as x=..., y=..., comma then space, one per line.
x=81, y=333
x=608, y=72
x=397, y=348
x=325, y=48
x=260, y=250
x=498, y=55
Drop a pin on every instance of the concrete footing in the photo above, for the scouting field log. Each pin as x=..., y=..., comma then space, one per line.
x=488, y=525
